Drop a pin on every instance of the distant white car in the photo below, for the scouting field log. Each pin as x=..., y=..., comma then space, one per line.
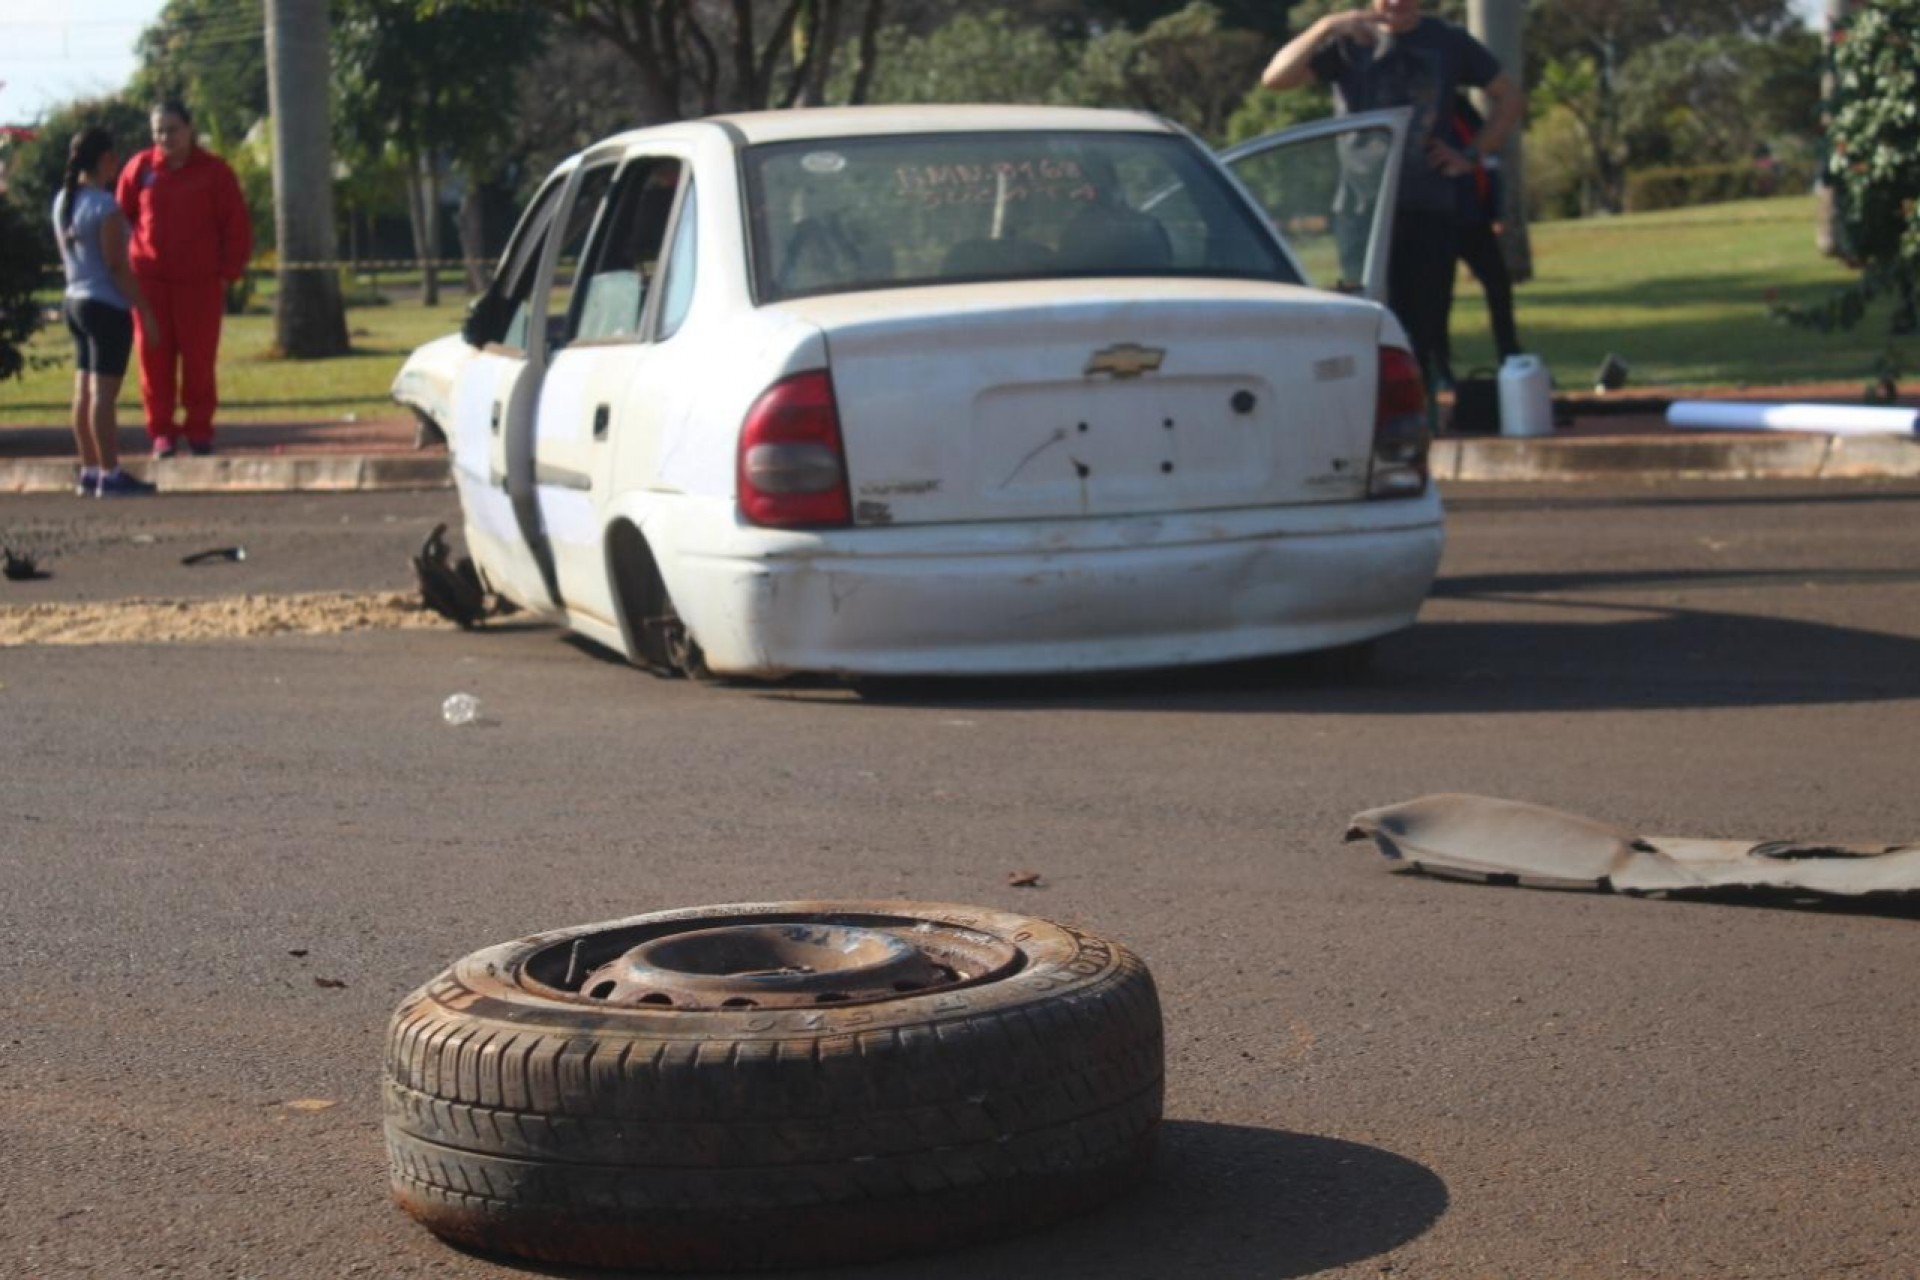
x=947, y=391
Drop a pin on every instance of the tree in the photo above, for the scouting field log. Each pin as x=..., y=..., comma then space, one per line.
x=22, y=271
x=425, y=89
x=36, y=166
x=309, y=320
x=1698, y=100
x=994, y=56
x=705, y=56
x=1188, y=65
x=1874, y=166
x=210, y=54
x=1582, y=48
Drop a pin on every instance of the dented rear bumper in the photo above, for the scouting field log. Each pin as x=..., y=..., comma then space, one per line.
x=1035, y=597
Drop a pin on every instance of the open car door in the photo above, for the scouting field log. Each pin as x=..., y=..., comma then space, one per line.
x=1329, y=188
x=493, y=405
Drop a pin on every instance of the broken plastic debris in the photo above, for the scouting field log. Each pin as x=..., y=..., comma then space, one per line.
x=18, y=566
x=1024, y=879
x=1481, y=838
x=312, y=1104
x=330, y=984
x=460, y=708
x=215, y=553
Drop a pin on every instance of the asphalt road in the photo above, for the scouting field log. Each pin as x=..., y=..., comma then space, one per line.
x=1368, y=1073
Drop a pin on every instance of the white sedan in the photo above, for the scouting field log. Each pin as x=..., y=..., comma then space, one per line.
x=946, y=391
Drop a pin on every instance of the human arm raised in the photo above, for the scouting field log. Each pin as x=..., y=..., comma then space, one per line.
x=1293, y=65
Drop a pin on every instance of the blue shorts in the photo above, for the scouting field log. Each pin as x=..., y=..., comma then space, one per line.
x=102, y=336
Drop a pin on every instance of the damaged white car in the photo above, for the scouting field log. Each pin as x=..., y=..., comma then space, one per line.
x=947, y=391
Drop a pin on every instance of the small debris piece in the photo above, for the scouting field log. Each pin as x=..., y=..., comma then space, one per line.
x=18, y=566
x=312, y=1104
x=299, y=952
x=214, y=554
x=1024, y=879
x=331, y=984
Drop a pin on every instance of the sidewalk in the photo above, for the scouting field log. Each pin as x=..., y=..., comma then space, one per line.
x=252, y=457
x=1611, y=437
x=1624, y=435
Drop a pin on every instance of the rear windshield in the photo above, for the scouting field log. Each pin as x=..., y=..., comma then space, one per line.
x=833, y=215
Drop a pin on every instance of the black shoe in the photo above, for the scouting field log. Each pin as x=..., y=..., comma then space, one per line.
x=200, y=448
x=163, y=448
x=118, y=484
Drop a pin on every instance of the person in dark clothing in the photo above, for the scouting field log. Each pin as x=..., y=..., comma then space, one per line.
x=1390, y=55
x=1477, y=242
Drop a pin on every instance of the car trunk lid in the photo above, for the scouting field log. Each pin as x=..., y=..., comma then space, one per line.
x=1070, y=398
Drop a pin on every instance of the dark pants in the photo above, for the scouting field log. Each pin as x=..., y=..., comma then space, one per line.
x=1479, y=248
x=1420, y=279
x=102, y=336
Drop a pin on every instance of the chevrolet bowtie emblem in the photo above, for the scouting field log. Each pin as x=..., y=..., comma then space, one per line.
x=1126, y=360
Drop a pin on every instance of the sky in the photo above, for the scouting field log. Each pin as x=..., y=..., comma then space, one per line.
x=52, y=51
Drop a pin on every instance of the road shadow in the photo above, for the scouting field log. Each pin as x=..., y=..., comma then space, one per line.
x=1617, y=655
x=1222, y=1200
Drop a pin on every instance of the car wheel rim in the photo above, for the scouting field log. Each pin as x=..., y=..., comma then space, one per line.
x=787, y=962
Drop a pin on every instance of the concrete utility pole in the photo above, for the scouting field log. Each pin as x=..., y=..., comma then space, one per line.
x=308, y=319
x=1497, y=24
x=1827, y=233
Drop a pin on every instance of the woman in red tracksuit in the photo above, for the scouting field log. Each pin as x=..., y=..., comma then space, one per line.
x=190, y=236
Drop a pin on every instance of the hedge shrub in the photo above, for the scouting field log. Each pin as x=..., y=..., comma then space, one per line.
x=1681, y=186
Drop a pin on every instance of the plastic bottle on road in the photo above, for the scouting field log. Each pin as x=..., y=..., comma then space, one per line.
x=460, y=708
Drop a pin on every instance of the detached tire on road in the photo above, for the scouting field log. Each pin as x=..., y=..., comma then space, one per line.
x=772, y=1085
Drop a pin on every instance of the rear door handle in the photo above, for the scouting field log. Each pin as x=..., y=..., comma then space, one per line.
x=601, y=417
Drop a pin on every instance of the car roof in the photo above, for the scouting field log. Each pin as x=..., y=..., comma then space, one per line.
x=803, y=123
x=842, y=122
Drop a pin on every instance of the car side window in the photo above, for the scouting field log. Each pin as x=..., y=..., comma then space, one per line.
x=567, y=272
x=625, y=259
x=681, y=265
x=500, y=314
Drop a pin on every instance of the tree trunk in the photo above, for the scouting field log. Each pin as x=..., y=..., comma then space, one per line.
x=1829, y=235
x=309, y=320
x=869, y=53
x=430, y=223
x=1498, y=24
x=416, y=214
x=473, y=235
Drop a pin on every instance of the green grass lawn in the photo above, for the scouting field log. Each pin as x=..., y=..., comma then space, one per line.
x=1681, y=295
x=255, y=386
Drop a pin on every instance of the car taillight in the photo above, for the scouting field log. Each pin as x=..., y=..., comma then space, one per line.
x=792, y=470
x=1400, y=435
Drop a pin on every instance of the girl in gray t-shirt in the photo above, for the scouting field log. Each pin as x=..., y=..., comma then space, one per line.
x=101, y=297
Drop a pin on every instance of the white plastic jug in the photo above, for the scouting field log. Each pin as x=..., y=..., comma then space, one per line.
x=1526, y=397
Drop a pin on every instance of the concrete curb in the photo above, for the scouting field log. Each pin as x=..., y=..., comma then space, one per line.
x=1455, y=460
x=1718, y=457
x=250, y=473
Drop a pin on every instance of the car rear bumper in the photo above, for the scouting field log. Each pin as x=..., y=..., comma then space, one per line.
x=1033, y=597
